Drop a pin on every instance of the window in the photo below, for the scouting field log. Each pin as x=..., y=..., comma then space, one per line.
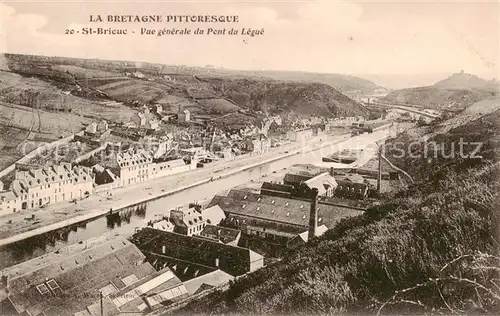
x=53, y=285
x=43, y=289
x=108, y=289
x=129, y=280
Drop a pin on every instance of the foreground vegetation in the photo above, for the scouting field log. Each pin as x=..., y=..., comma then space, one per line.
x=431, y=249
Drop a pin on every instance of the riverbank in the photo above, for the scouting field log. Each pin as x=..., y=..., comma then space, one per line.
x=58, y=216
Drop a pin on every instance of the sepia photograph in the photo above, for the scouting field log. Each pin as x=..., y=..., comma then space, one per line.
x=239, y=157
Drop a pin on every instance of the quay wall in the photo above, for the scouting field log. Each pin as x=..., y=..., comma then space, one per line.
x=94, y=213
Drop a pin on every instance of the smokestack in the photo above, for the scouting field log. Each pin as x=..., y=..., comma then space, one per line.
x=313, y=214
x=331, y=172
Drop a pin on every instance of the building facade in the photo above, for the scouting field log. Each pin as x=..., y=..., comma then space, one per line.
x=134, y=167
x=57, y=183
x=9, y=203
x=187, y=221
x=300, y=136
x=184, y=116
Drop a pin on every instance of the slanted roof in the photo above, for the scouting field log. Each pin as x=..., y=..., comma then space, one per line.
x=214, y=215
x=320, y=230
x=36, y=270
x=296, y=178
x=72, y=289
x=322, y=182
x=277, y=187
x=215, y=278
x=184, y=270
x=233, y=260
x=224, y=234
x=279, y=209
x=349, y=184
x=7, y=196
x=47, y=175
x=355, y=178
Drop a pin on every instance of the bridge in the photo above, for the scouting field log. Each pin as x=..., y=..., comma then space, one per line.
x=416, y=110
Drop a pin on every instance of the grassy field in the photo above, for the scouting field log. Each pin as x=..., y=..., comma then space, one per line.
x=81, y=73
x=23, y=130
x=33, y=92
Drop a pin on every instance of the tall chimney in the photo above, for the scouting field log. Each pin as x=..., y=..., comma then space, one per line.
x=313, y=214
x=332, y=173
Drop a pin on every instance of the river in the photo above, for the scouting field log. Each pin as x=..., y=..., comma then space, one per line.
x=126, y=220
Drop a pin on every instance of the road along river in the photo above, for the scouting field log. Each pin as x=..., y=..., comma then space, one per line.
x=127, y=219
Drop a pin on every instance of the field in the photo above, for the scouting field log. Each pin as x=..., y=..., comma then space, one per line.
x=218, y=106
x=33, y=92
x=80, y=72
x=23, y=130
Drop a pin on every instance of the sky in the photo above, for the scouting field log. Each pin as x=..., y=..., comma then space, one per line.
x=385, y=41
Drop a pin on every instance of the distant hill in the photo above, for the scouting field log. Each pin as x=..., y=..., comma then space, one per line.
x=464, y=81
x=295, y=98
x=341, y=82
x=202, y=91
x=455, y=92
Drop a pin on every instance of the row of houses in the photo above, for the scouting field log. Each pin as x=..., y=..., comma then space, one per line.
x=36, y=187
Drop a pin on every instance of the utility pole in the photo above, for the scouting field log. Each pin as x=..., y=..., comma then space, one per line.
x=379, y=176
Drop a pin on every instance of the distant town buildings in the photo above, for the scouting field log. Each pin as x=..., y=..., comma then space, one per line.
x=257, y=144
x=300, y=135
x=184, y=116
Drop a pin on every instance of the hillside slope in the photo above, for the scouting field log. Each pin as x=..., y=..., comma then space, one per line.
x=467, y=82
x=180, y=88
x=428, y=250
x=436, y=98
x=276, y=97
x=341, y=82
x=455, y=92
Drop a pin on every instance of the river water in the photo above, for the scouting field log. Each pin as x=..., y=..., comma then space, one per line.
x=127, y=220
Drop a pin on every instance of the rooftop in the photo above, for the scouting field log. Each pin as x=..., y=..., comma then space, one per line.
x=213, y=279
x=278, y=209
x=69, y=285
x=224, y=234
x=47, y=175
x=233, y=260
